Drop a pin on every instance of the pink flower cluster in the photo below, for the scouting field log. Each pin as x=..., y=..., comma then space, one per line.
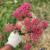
x=23, y=11
x=26, y=6
x=27, y=47
x=10, y=27
x=2, y=37
x=35, y=28
x=44, y=24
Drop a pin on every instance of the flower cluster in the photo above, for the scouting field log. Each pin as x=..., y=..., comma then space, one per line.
x=2, y=37
x=44, y=24
x=22, y=11
x=35, y=29
x=10, y=27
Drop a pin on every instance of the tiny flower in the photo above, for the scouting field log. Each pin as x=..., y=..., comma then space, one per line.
x=20, y=19
x=35, y=41
x=8, y=28
x=33, y=28
x=31, y=35
x=36, y=21
x=5, y=30
x=27, y=47
x=3, y=36
x=24, y=29
x=29, y=14
x=21, y=23
x=18, y=27
x=40, y=26
x=23, y=14
x=27, y=22
x=13, y=28
x=28, y=28
x=27, y=37
x=15, y=14
x=23, y=38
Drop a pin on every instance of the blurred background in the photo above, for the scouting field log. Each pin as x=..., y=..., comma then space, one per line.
x=41, y=8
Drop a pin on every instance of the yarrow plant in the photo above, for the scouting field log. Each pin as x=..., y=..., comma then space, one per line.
x=32, y=28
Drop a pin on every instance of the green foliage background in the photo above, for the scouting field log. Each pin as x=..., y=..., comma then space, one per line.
x=40, y=7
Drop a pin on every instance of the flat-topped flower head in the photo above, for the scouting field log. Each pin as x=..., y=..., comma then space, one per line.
x=26, y=6
x=23, y=11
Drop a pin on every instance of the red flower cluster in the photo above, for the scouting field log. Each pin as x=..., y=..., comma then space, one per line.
x=35, y=28
x=23, y=11
x=10, y=27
